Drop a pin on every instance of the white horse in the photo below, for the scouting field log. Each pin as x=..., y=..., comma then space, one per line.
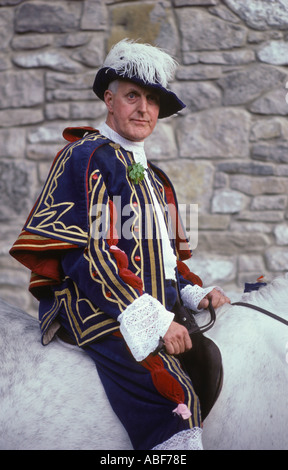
x=52, y=398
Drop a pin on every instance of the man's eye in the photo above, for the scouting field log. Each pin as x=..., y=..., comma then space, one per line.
x=131, y=96
x=153, y=98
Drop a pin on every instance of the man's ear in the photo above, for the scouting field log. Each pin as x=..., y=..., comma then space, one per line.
x=108, y=99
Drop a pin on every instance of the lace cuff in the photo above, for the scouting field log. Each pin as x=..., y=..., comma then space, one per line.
x=142, y=323
x=191, y=439
x=192, y=295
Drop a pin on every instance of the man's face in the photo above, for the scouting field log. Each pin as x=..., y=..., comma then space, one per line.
x=132, y=111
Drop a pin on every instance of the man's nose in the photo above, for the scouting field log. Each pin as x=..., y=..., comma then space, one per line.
x=143, y=104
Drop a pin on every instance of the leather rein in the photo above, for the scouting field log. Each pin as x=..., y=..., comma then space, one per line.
x=262, y=310
x=241, y=304
x=209, y=325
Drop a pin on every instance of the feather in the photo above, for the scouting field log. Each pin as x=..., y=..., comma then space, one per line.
x=149, y=63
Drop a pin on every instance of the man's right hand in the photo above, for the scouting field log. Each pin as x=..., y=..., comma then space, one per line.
x=177, y=339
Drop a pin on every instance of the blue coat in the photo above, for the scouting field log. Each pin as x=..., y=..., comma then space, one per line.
x=89, y=206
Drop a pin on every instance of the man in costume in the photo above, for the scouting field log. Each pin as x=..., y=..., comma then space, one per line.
x=105, y=247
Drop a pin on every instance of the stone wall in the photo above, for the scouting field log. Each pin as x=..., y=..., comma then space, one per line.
x=227, y=152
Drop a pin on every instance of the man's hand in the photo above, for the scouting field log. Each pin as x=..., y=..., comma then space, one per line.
x=177, y=339
x=217, y=298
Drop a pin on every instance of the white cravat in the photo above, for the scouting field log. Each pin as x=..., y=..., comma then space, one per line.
x=137, y=148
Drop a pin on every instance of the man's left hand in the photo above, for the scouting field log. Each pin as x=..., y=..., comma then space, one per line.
x=217, y=297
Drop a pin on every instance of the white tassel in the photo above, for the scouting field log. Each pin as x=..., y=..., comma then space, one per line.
x=149, y=63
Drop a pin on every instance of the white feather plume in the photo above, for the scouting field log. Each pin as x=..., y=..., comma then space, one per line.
x=149, y=63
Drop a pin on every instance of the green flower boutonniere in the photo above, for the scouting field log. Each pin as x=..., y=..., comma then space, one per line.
x=136, y=172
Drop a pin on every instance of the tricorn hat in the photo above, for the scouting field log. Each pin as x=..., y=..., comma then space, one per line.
x=144, y=65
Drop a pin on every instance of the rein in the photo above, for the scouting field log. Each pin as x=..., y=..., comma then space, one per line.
x=209, y=325
x=241, y=304
x=262, y=310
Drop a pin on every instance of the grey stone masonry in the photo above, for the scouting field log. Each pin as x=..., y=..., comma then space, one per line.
x=227, y=152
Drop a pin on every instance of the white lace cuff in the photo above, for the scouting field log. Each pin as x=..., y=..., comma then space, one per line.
x=142, y=323
x=192, y=295
x=191, y=439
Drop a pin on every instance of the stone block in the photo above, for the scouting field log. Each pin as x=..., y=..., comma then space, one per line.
x=261, y=216
x=266, y=129
x=221, y=132
x=20, y=117
x=254, y=263
x=254, y=186
x=87, y=110
x=274, y=52
x=198, y=71
x=281, y=234
x=17, y=181
x=161, y=144
x=46, y=133
x=64, y=81
x=4, y=62
x=53, y=60
x=193, y=181
x=21, y=89
x=277, y=258
x=281, y=170
x=6, y=28
x=48, y=17
x=227, y=57
x=193, y=3
x=17, y=296
x=269, y=202
x=273, y=102
x=230, y=243
x=261, y=14
x=72, y=40
x=224, y=13
x=14, y=277
x=43, y=171
x=12, y=143
x=213, y=221
x=276, y=152
x=198, y=95
x=242, y=86
x=145, y=21
x=39, y=152
x=70, y=95
x=57, y=111
x=251, y=227
x=31, y=41
x=221, y=180
x=248, y=168
x=94, y=16
x=8, y=234
x=213, y=269
x=227, y=201
x=201, y=31
x=92, y=54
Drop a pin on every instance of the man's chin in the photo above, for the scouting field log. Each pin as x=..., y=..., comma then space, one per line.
x=139, y=133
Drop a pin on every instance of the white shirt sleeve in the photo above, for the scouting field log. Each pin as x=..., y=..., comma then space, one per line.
x=192, y=295
x=142, y=323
